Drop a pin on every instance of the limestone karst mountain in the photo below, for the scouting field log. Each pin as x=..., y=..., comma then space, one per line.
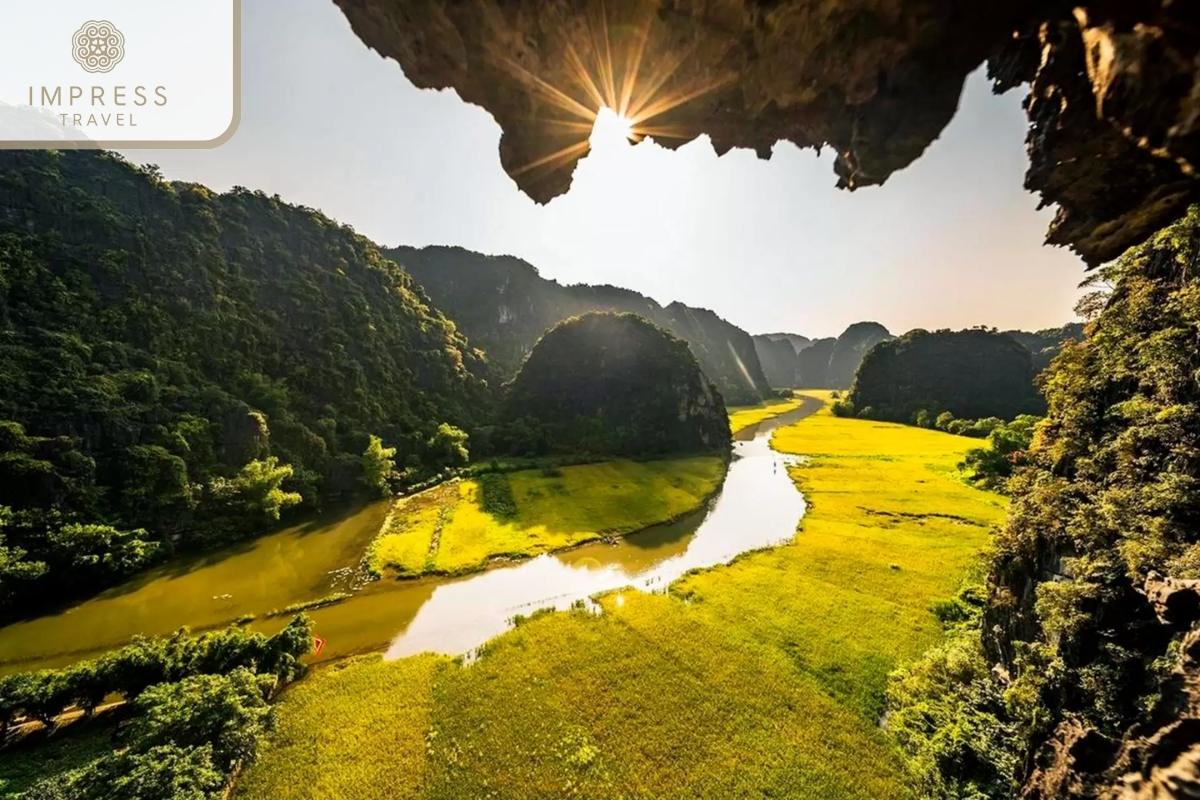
x=598, y=367
x=504, y=305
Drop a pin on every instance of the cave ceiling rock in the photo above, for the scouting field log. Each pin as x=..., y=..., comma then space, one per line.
x=1113, y=105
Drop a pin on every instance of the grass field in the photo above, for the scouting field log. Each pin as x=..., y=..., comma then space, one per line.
x=741, y=417
x=759, y=679
x=459, y=527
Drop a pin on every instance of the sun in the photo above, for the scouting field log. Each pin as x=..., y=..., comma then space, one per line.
x=611, y=128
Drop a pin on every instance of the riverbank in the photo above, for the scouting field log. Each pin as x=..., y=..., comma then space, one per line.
x=760, y=678
x=463, y=526
x=742, y=417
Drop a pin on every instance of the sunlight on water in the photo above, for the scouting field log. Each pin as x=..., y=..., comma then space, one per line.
x=758, y=506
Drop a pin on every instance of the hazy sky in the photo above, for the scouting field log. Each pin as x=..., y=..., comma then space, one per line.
x=953, y=241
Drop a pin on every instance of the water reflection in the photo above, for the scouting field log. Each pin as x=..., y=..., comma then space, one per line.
x=758, y=506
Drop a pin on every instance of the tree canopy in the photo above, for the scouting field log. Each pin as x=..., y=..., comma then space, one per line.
x=179, y=367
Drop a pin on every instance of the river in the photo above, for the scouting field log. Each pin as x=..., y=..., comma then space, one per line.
x=757, y=506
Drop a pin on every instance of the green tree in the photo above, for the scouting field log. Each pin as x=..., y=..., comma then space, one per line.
x=257, y=488
x=377, y=466
x=990, y=467
x=228, y=712
x=448, y=446
x=15, y=567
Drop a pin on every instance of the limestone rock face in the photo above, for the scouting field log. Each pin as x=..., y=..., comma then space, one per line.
x=1114, y=113
x=504, y=305
x=1156, y=759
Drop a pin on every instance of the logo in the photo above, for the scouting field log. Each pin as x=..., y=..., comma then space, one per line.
x=98, y=46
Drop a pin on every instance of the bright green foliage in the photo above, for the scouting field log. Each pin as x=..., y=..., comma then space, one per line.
x=975, y=428
x=991, y=466
x=948, y=714
x=448, y=445
x=15, y=567
x=257, y=489
x=762, y=678
x=198, y=709
x=505, y=306
x=614, y=384
x=971, y=373
x=462, y=526
x=184, y=365
x=227, y=712
x=377, y=467
x=1111, y=491
x=183, y=743
x=146, y=662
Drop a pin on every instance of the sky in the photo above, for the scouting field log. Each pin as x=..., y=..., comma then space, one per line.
x=953, y=241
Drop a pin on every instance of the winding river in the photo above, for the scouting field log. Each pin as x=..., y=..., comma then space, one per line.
x=757, y=506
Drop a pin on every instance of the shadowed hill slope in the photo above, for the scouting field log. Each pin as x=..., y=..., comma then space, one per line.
x=780, y=361
x=972, y=374
x=616, y=384
x=503, y=304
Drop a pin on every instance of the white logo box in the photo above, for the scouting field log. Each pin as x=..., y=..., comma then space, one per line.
x=119, y=73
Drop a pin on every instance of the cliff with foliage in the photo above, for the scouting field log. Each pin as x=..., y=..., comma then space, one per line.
x=177, y=367
x=971, y=374
x=813, y=364
x=1077, y=674
x=1045, y=344
x=504, y=306
x=831, y=363
x=780, y=361
x=614, y=384
x=854, y=343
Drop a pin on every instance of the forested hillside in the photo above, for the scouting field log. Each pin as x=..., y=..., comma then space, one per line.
x=972, y=374
x=1077, y=678
x=504, y=305
x=1045, y=344
x=614, y=384
x=177, y=367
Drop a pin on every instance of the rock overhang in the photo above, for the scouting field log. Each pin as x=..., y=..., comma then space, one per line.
x=1114, y=86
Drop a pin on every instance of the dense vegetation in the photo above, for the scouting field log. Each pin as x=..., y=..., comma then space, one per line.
x=199, y=709
x=460, y=527
x=1045, y=344
x=613, y=384
x=1109, y=493
x=1007, y=442
x=504, y=306
x=831, y=363
x=973, y=374
x=178, y=367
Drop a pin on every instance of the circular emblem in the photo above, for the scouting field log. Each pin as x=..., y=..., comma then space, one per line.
x=98, y=46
